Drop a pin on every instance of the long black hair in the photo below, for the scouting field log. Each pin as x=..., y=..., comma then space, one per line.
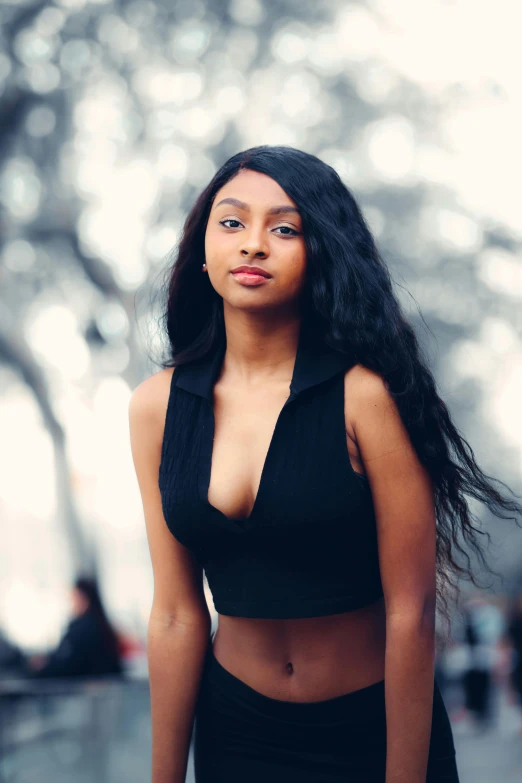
x=348, y=300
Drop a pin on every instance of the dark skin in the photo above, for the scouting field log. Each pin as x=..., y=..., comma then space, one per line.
x=317, y=658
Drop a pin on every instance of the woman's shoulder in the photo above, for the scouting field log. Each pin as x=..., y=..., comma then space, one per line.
x=361, y=379
x=148, y=402
x=363, y=388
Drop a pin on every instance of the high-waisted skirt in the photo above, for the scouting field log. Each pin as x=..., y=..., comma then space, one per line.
x=242, y=735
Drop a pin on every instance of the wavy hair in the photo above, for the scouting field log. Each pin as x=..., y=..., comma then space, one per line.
x=348, y=300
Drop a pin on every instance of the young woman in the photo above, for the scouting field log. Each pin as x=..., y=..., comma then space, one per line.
x=295, y=451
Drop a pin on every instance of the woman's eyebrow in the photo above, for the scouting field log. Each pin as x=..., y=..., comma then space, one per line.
x=280, y=210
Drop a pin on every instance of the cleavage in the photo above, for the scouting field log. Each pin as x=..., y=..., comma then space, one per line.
x=244, y=430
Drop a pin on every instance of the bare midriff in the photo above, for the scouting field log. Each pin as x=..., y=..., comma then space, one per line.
x=305, y=659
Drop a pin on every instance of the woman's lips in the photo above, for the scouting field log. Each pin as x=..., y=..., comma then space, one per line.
x=249, y=278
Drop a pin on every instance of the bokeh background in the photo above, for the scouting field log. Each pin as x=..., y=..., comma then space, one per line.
x=114, y=114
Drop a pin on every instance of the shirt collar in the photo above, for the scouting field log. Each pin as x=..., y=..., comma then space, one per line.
x=315, y=362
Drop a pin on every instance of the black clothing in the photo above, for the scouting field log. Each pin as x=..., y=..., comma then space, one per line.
x=84, y=651
x=477, y=681
x=309, y=546
x=477, y=685
x=307, y=549
x=241, y=734
x=515, y=634
x=514, y=631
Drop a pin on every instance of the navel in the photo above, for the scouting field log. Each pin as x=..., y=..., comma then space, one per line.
x=289, y=668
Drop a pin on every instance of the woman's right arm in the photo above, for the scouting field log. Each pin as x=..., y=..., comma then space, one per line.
x=179, y=624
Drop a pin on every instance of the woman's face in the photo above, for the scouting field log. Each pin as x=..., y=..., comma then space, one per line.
x=79, y=601
x=249, y=232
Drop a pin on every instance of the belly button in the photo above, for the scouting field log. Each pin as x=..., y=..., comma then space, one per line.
x=289, y=668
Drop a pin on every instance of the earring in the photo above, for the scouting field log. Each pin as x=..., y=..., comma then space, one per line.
x=204, y=265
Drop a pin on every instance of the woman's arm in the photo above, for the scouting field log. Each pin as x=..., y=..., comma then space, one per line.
x=179, y=624
x=175, y=654
x=406, y=530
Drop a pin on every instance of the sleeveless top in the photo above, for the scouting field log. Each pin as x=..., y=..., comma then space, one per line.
x=309, y=546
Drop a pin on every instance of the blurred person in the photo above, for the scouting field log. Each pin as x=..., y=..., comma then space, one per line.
x=295, y=451
x=12, y=660
x=481, y=635
x=514, y=635
x=89, y=647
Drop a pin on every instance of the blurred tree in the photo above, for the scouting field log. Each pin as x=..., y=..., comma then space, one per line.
x=113, y=115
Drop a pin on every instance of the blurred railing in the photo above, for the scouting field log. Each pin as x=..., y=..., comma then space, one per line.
x=74, y=729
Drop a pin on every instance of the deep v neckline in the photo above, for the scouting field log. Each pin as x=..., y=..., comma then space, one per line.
x=315, y=362
x=208, y=472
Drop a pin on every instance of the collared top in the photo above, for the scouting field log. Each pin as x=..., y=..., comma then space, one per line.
x=308, y=547
x=315, y=362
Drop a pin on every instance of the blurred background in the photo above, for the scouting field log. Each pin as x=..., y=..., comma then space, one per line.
x=114, y=114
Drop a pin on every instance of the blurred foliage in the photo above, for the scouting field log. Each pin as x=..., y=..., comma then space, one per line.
x=114, y=114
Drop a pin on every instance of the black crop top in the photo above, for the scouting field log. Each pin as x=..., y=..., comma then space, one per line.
x=309, y=546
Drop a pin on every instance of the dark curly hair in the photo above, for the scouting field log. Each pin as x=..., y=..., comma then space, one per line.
x=348, y=300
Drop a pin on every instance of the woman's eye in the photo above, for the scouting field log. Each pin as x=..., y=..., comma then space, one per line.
x=229, y=220
x=294, y=232
x=232, y=220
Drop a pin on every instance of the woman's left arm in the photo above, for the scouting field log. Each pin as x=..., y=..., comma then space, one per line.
x=406, y=529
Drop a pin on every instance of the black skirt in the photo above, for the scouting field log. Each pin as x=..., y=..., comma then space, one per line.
x=241, y=734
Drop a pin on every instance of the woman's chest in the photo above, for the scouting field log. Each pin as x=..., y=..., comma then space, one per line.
x=250, y=470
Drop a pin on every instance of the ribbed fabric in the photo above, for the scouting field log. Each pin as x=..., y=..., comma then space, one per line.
x=309, y=547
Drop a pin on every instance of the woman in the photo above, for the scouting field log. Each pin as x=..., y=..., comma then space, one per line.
x=294, y=450
x=514, y=636
x=89, y=646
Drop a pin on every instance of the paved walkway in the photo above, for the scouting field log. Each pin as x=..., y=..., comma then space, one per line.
x=493, y=755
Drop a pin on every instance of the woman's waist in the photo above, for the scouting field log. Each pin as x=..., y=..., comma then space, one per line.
x=304, y=659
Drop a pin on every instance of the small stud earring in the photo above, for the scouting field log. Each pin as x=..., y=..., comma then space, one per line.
x=203, y=267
